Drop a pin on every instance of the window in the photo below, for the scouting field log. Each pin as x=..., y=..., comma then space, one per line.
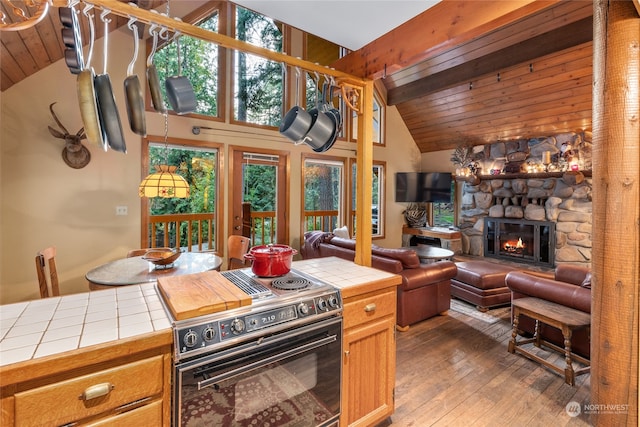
x=198, y=62
x=377, y=198
x=378, y=121
x=443, y=214
x=192, y=223
x=258, y=82
x=323, y=189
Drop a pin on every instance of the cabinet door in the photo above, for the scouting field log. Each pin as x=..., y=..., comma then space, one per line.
x=368, y=373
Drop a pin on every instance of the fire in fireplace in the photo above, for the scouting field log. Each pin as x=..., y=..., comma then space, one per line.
x=527, y=241
x=516, y=248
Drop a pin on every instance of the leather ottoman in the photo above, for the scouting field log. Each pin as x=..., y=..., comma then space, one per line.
x=481, y=283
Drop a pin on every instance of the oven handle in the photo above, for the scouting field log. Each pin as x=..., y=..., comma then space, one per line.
x=276, y=358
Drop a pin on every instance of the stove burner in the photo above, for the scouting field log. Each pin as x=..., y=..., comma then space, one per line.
x=290, y=283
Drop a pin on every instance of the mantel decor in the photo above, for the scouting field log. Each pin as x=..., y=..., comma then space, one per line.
x=415, y=215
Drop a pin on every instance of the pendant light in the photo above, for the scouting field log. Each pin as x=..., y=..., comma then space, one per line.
x=164, y=182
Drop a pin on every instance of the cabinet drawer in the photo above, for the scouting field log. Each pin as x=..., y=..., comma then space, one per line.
x=63, y=402
x=148, y=415
x=369, y=307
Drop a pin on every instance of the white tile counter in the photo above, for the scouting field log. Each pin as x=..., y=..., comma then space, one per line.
x=38, y=328
x=346, y=275
x=43, y=327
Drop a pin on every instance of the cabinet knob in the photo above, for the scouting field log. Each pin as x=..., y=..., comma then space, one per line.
x=346, y=352
x=370, y=307
x=95, y=391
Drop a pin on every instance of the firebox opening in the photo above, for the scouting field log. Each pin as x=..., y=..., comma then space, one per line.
x=528, y=241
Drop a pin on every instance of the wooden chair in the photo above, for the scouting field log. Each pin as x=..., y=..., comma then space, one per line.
x=237, y=247
x=43, y=258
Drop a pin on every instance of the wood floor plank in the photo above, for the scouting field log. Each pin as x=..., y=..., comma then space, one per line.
x=455, y=370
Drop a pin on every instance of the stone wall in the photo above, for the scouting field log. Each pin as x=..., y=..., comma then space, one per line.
x=565, y=200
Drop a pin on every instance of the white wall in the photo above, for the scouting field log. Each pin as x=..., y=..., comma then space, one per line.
x=46, y=203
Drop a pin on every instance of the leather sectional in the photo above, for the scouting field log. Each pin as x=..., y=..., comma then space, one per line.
x=425, y=290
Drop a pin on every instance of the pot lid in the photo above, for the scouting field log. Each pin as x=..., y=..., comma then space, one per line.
x=271, y=250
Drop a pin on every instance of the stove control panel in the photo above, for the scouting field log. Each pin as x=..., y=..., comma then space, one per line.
x=252, y=323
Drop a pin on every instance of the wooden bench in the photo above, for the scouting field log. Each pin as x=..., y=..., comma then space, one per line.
x=564, y=318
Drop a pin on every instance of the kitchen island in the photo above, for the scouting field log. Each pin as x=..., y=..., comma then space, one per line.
x=106, y=356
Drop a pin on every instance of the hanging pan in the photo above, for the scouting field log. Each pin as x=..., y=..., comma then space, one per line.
x=86, y=91
x=133, y=90
x=109, y=117
x=72, y=39
x=179, y=90
x=152, y=75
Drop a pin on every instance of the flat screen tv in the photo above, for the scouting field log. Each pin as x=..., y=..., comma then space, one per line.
x=423, y=187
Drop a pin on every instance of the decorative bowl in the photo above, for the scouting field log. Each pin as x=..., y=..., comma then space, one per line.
x=162, y=256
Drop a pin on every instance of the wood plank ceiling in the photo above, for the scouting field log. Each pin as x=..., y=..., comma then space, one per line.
x=25, y=52
x=519, y=78
x=507, y=84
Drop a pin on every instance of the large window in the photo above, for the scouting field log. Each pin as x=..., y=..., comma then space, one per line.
x=198, y=62
x=323, y=194
x=258, y=82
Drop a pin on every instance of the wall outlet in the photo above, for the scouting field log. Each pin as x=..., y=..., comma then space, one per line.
x=121, y=210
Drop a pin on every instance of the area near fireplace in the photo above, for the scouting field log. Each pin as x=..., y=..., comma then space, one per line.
x=557, y=202
x=521, y=241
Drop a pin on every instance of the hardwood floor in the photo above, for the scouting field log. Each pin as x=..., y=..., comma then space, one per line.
x=454, y=370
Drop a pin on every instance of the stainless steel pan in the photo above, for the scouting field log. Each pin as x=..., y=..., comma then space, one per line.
x=72, y=39
x=133, y=90
x=179, y=90
x=109, y=117
x=152, y=75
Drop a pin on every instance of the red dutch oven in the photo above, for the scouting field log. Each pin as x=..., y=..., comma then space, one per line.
x=271, y=260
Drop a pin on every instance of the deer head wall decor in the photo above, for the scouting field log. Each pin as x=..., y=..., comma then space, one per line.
x=74, y=154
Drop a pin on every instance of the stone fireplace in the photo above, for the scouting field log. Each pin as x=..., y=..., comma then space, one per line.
x=553, y=208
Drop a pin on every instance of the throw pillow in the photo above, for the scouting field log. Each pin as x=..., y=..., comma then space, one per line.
x=342, y=232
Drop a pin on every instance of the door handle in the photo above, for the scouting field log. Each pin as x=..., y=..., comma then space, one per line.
x=237, y=227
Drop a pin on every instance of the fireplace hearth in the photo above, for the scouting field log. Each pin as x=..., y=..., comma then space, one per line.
x=520, y=240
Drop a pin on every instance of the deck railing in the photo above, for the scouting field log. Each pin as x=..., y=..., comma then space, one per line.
x=191, y=232
x=321, y=220
x=196, y=232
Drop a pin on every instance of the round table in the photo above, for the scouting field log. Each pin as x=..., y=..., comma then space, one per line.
x=428, y=254
x=136, y=271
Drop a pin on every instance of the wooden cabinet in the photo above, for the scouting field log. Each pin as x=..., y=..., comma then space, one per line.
x=369, y=359
x=124, y=384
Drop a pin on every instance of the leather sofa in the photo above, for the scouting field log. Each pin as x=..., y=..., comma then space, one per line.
x=425, y=290
x=569, y=285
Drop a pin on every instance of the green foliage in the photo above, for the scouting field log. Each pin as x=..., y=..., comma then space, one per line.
x=260, y=187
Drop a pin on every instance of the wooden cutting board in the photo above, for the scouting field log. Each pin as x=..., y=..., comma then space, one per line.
x=193, y=295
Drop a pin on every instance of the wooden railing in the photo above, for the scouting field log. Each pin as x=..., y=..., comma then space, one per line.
x=196, y=232
x=263, y=227
x=321, y=220
x=190, y=232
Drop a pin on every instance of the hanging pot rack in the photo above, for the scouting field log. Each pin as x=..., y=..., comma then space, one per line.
x=351, y=86
x=357, y=91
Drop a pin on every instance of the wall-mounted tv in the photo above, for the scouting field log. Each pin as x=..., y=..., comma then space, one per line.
x=423, y=187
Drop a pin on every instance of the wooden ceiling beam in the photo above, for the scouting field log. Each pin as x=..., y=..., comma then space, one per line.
x=570, y=35
x=447, y=24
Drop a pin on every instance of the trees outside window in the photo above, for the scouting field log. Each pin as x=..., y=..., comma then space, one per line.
x=323, y=190
x=199, y=62
x=258, y=82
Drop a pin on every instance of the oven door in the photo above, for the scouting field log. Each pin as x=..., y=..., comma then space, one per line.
x=291, y=378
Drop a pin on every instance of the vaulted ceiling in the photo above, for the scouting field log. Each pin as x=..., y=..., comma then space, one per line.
x=459, y=72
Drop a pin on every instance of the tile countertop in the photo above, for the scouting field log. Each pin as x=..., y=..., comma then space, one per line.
x=352, y=279
x=38, y=328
